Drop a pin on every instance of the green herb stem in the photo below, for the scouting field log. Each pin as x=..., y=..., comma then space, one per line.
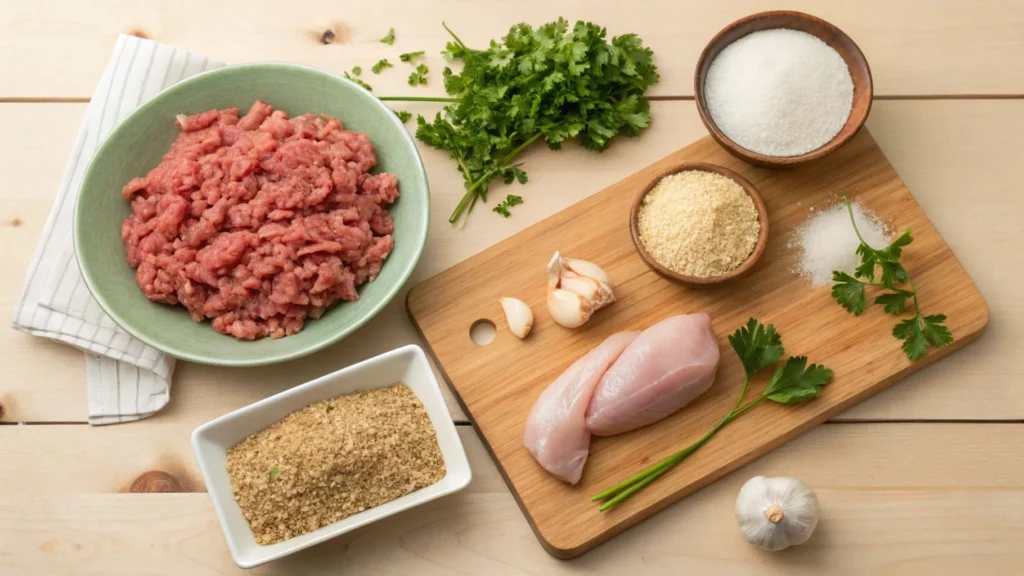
x=461, y=43
x=849, y=210
x=635, y=483
x=471, y=191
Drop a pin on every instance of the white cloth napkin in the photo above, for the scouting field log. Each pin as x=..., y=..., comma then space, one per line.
x=126, y=379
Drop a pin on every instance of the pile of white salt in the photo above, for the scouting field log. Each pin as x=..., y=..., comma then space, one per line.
x=827, y=241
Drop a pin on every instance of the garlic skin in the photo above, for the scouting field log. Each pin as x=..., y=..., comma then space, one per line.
x=518, y=316
x=776, y=513
x=576, y=289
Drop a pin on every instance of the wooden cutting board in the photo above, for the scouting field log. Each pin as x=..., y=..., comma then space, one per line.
x=498, y=383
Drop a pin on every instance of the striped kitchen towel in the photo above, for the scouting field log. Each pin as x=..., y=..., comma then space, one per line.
x=126, y=379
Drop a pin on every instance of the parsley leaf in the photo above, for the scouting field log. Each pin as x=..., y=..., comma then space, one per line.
x=410, y=56
x=848, y=292
x=510, y=201
x=935, y=330
x=915, y=345
x=353, y=77
x=894, y=302
x=866, y=269
x=403, y=115
x=274, y=473
x=390, y=38
x=557, y=82
x=795, y=382
x=381, y=65
x=757, y=345
x=419, y=76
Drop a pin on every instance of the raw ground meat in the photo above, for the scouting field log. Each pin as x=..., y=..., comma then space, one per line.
x=261, y=221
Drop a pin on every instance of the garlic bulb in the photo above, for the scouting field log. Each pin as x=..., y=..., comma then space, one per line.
x=576, y=289
x=518, y=315
x=776, y=513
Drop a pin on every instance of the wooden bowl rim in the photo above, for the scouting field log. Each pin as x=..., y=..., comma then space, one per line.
x=759, y=205
x=857, y=56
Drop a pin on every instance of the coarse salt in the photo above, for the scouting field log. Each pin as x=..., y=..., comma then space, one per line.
x=779, y=92
x=827, y=241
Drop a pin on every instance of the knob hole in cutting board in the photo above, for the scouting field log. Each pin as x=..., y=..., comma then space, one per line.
x=482, y=332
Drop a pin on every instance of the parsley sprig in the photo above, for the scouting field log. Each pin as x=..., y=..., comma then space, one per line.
x=509, y=201
x=758, y=347
x=552, y=83
x=917, y=333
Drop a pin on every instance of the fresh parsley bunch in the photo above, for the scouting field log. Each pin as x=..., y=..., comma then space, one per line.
x=849, y=291
x=552, y=83
x=758, y=347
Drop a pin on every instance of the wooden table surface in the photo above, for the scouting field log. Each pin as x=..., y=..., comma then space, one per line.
x=927, y=477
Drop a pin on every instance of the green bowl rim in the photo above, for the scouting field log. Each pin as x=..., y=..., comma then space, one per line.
x=77, y=226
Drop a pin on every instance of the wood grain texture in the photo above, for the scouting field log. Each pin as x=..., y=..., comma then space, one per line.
x=963, y=186
x=891, y=504
x=497, y=384
x=55, y=48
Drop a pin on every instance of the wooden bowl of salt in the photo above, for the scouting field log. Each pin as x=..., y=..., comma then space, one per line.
x=777, y=98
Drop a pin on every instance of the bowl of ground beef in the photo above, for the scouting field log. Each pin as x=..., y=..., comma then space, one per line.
x=252, y=214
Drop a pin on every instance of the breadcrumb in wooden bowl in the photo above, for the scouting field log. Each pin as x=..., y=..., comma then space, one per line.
x=695, y=228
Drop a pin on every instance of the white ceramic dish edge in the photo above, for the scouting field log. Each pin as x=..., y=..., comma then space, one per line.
x=211, y=441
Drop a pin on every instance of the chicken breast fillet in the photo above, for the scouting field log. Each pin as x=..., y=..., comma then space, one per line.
x=663, y=369
x=556, y=430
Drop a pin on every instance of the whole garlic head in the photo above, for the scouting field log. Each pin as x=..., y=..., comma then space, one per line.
x=776, y=513
x=576, y=289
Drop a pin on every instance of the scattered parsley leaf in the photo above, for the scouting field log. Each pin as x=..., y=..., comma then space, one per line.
x=274, y=473
x=410, y=56
x=509, y=201
x=357, y=70
x=756, y=345
x=353, y=78
x=848, y=292
x=390, y=38
x=381, y=65
x=403, y=115
x=795, y=382
x=419, y=76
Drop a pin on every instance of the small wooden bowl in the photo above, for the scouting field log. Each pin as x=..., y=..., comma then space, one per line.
x=694, y=281
x=860, y=72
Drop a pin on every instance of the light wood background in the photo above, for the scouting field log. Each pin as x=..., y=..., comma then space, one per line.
x=927, y=477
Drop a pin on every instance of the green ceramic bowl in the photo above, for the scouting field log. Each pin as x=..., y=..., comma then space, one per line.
x=139, y=142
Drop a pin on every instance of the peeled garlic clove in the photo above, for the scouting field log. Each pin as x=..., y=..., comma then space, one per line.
x=518, y=315
x=567, y=308
x=588, y=269
x=776, y=513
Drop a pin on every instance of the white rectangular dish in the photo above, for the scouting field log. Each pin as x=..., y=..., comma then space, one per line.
x=212, y=440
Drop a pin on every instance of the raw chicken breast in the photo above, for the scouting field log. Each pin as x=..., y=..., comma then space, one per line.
x=556, y=431
x=662, y=370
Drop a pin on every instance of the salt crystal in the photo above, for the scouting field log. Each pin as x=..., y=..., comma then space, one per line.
x=828, y=242
x=779, y=92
